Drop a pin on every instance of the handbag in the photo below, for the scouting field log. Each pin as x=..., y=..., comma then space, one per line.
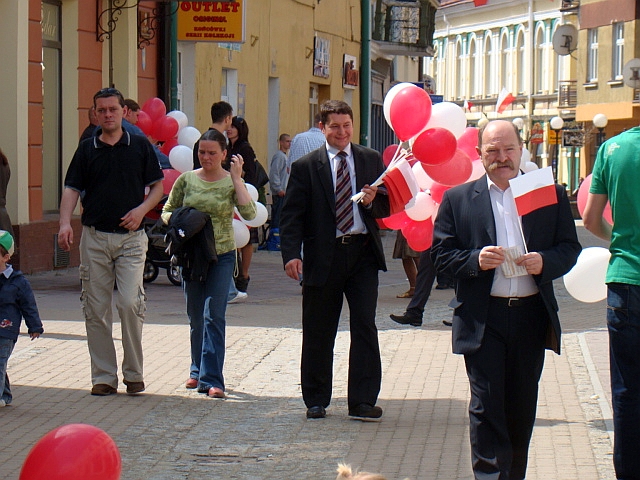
x=261, y=175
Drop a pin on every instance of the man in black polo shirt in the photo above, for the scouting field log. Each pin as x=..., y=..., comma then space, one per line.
x=112, y=170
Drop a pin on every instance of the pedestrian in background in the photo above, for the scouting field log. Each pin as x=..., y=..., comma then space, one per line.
x=112, y=169
x=238, y=135
x=306, y=142
x=278, y=176
x=5, y=175
x=410, y=261
x=614, y=180
x=342, y=255
x=16, y=302
x=502, y=323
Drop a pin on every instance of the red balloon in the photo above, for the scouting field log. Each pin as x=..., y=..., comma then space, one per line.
x=73, y=452
x=145, y=123
x=437, y=191
x=388, y=154
x=164, y=128
x=409, y=112
x=434, y=146
x=170, y=177
x=419, y=235
x=397, y=220
x=454, y=172
x=468, y=141
x=581, y=200
x=155, y=108
x=168, y=145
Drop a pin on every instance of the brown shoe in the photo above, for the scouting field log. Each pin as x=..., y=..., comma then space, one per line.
x=102, y=390
x=191, y=383
x=215, y=392
x=133, y=388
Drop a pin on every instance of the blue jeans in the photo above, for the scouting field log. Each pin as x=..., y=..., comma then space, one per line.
x=6, y=347
x=623, y=321
x=206, y=309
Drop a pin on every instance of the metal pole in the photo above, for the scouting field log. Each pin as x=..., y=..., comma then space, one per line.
x=554, y=163
x=365, y=77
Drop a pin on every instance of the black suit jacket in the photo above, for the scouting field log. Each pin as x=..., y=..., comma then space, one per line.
x=309, y=211
x=465, y=225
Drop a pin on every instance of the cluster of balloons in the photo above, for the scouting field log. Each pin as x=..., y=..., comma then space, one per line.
x=172, y=129
x=241, y=226
x=442, y=151
x=73, y=452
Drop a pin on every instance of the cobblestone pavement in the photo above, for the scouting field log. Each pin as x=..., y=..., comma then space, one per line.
x=260, y=431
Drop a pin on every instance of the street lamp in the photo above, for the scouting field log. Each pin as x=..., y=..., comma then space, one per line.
x=600, y=121
x=556, y=124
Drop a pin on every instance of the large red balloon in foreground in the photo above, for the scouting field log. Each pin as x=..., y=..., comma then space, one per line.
x=73, y=452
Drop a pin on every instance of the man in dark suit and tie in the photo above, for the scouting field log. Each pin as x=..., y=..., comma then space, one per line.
x=342, y=255
x=502, y=323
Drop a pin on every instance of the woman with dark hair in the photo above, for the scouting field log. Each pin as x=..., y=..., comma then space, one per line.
x=238, y=135
x=214, y=191
x=5, y=174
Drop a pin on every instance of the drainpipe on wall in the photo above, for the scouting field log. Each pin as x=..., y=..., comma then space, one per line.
x=365, y=76
x=174, y=61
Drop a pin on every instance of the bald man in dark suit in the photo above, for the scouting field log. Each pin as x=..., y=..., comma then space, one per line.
x=339, y=261
x=502, y=324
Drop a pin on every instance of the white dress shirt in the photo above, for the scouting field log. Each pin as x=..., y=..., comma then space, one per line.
x=358, y=223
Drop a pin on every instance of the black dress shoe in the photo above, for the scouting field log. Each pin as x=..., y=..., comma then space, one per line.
x=406, y=320
x=317, y=411
x=443, y=286
x=365, y=412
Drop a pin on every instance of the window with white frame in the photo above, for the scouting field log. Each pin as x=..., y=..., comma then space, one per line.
x=521, y=67
x=459, y=93
x=504, y=61
x=592, y=55
x=617, y=56
x=539, y=65
x=487, y=70
x=473, y=55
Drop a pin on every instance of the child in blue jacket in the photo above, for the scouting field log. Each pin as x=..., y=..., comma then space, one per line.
x=16, y=301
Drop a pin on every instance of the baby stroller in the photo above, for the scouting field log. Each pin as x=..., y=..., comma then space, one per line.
x=157, y=257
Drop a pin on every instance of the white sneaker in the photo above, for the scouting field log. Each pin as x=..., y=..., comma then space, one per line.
x=240, y=297
x=2, y=403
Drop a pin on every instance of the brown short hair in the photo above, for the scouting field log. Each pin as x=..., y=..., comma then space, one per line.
x=334, y=106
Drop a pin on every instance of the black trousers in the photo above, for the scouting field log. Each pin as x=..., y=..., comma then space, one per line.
x=354, y=275
x=503, y=376
x=424, y=282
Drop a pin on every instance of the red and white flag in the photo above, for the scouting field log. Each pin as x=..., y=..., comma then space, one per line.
x=401, y=185
x=533, y=190
x=504, y=100
x=467, y=105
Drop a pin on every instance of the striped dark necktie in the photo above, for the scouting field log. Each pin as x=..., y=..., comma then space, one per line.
x=344, y=207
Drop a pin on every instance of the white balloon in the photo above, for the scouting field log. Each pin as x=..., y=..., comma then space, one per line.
x=528, y=167
x=180, y=117
x=586, y=280
x=240, y=233
x=393, y=91
x=449, y=116
x=420, y=207
x=261, y=216
x=526, y=156
x=253, y=191
x=188, y=136
x=181, y=158
x=424, y=180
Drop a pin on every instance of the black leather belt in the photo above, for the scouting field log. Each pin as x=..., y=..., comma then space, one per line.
x=119, y=230
x=360, y=238
x=517, y=301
